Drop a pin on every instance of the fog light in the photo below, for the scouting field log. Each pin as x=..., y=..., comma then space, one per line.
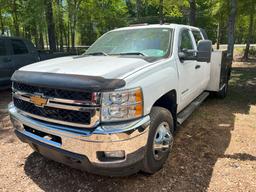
x=17, y=124
x=114, y=154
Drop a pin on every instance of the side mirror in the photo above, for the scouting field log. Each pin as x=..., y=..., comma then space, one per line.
x=182, y=55
x=204, y=51
x=186, y=54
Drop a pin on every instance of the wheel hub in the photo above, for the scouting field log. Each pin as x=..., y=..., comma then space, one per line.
x=163, y=141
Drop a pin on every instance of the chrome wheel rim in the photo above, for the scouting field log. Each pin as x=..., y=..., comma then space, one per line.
x=163, y=141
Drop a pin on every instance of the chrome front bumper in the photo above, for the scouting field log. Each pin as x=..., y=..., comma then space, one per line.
x=129, y=137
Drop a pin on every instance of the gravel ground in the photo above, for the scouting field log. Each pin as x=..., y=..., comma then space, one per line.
x=215, y=150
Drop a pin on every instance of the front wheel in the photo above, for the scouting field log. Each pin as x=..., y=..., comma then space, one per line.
x=160, y=140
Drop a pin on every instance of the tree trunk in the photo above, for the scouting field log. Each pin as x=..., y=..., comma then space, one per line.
x=75, y=5
x=218, y=36
x=72, y=18
x=73, y=34
x=220, y=29
x=249, y=36
x=50, y=25
x=68, y=37
x=192, y=12
x=161, y=10
x=61, y=24
x=47, y=40
x=61, y=41
x=73, y=39
x=41, y=41
x=15, y=18
x=57, y=42
x=231, y=28
x=35, y=34
x=1, y=23
x=65, y=37
x=130, y=8
x=138, y=10
x=28, y=32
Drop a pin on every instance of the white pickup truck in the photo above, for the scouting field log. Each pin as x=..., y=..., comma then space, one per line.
x=114, y=109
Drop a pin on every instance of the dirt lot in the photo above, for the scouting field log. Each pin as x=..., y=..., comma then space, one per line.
x=215, y=150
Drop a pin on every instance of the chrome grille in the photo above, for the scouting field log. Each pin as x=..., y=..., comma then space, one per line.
x=82, y=112
x=51, y=92
x=54, y=113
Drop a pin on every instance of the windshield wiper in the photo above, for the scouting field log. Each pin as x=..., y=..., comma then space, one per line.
x=133, y=53
x=97, y=53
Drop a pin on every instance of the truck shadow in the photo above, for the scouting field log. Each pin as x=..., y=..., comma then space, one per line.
x=199, y=143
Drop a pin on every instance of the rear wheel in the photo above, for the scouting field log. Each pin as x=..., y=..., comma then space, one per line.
x=160, y=140
x=223, y=92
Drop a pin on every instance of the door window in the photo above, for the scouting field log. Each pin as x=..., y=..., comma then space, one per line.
x=2, y=48
x=19, y=47
x=186, y=41
x=197, y=35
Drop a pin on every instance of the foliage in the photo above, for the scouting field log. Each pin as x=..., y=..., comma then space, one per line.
x=82, y=21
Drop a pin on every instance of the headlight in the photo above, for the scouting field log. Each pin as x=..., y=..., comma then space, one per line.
x=122, y=105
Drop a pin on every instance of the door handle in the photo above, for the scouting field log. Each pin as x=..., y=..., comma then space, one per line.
x=197, y=66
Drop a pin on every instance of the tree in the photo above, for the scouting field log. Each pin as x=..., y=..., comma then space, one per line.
x=130, y=8
x=73, y=9
x=231, y=27
x=94, y=19
x=220, y=13
x=60, y=23
x=139, y=9
x=14, y=10
x=250, y=8
x=161, y=11
x=50, y=24
x=192, y=12
x=1, y=22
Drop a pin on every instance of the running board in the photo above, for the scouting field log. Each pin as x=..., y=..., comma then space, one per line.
x=185, y=113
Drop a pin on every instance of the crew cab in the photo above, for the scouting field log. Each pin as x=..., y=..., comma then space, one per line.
x=114, y=110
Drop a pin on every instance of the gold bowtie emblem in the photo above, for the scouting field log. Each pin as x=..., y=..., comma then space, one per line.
x=38, y=100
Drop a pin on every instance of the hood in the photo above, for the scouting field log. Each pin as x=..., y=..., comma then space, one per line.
x=103, y=66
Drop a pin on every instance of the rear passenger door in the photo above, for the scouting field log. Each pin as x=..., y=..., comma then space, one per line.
x=203, y=72
x=6, y=65
x=21, y=54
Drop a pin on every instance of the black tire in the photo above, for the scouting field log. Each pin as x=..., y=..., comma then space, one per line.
x=158, y=116
x=223, y=93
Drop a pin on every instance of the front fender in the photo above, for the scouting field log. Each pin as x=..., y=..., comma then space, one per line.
x=155, y=81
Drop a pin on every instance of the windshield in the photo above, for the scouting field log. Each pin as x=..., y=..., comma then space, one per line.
x=153, y=42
